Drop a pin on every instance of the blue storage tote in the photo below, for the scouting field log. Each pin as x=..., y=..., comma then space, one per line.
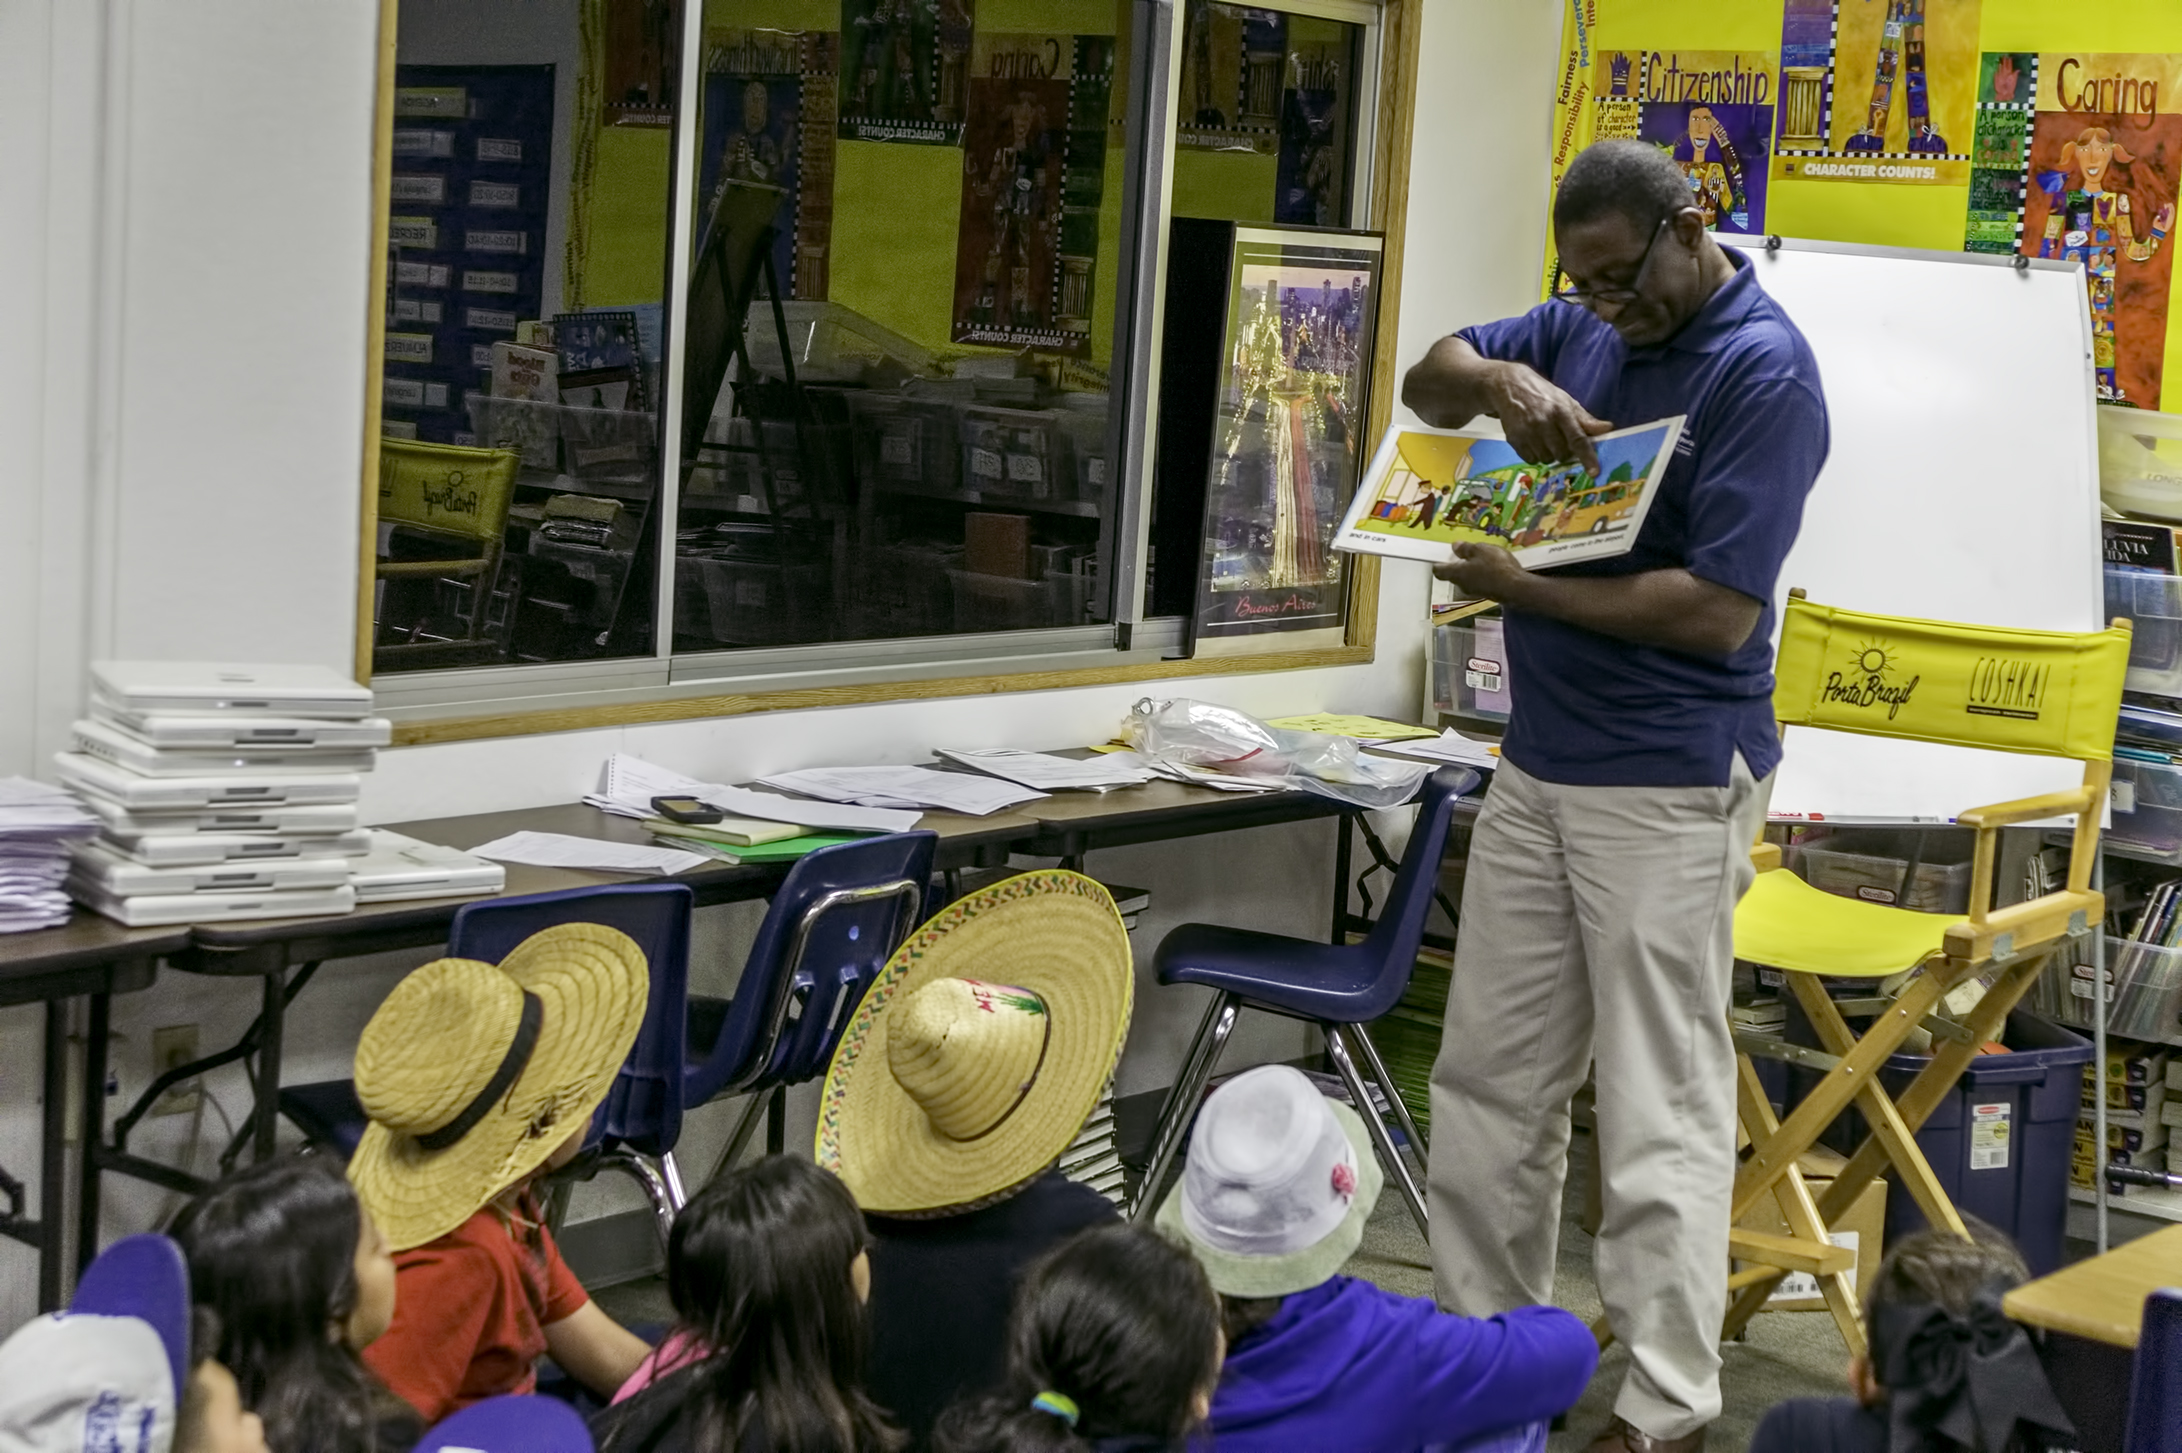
x=2000, y=1144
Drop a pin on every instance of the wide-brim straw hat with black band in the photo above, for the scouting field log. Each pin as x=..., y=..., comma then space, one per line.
x=981, y=1048
x=474, y=1073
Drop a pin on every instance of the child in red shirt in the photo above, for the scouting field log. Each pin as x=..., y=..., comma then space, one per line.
x=480, y=1080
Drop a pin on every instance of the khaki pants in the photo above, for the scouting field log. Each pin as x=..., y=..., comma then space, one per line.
x=1598, y=927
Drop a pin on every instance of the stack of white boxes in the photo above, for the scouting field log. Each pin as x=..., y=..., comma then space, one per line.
x=225, y=792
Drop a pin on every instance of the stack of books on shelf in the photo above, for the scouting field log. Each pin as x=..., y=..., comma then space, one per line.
x=224, y=792
x=2143, y=1105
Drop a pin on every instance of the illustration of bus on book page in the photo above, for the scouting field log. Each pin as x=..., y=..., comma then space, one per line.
x=1430, y=489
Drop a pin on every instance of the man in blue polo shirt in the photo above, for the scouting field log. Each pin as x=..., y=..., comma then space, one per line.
x=1597, y=919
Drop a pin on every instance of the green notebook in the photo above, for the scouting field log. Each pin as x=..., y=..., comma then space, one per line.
x=693, y=836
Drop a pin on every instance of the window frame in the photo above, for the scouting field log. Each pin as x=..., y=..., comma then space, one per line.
x=484, y=702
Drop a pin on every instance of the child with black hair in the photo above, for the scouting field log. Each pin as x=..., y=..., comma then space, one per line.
x=1936, y=1297
x=768, y=1271
x=1114, y=1346
x=302, y=1282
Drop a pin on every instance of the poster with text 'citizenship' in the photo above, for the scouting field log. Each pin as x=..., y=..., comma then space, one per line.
x=2077, y=160
x=1877, y=91
x=1429, y=490
x=1710, y=111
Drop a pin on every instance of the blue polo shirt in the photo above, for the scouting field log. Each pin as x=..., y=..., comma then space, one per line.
x=1596, y=711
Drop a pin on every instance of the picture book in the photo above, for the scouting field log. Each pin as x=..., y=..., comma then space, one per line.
x=1429, y=490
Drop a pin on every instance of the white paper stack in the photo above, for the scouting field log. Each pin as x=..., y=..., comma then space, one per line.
x=222, y=791
x=37, y=825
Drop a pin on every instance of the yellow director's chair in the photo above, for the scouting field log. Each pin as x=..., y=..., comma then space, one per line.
x=2050, y=693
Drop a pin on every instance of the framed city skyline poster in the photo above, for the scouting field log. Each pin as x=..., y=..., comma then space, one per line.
x=1270, y=337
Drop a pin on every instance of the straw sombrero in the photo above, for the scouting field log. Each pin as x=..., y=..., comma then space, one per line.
x=474, y=1073
x=981, y=1049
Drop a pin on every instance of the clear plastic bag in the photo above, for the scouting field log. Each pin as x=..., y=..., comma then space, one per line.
x=1200, y=734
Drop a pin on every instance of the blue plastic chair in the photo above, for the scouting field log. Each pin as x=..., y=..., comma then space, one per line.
x=830, y=928
x=1334, y=986
x=2155, y=1385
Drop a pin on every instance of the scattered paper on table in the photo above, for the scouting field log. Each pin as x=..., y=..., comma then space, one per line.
x=559, y=850
x=920, y=787
x=1363, y=728
x=1448, y=746
x=630, y=784
x=1220, y=781
x=1054, y=774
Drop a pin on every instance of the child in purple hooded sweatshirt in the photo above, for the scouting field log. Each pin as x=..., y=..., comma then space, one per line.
x=1273, y=1200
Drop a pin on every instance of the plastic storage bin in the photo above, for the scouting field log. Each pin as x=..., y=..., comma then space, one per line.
x=2000, y=1143
x=2147, y=801
x=1470, y=669
x=1002, y=603
x=2143, y=992
x=1868, y=864
x=1012, y=453
x=2152, y=602
x=2140, y=463
x=749, y=602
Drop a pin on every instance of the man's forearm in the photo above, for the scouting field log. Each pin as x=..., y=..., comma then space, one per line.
x=1450, y=385
x=1670, y=608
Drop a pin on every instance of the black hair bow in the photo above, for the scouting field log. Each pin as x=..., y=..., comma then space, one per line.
x=1970, y=1380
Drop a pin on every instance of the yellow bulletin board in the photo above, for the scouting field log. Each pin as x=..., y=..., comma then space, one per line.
x=2042, y=126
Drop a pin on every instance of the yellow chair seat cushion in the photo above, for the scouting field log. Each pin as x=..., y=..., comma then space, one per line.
x=1785, y=923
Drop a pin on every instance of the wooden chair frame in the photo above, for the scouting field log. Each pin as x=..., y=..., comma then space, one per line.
x=2014, y=944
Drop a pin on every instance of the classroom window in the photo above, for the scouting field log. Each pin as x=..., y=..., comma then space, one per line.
x=902, y=321
x=795, y=326
x=526, y=281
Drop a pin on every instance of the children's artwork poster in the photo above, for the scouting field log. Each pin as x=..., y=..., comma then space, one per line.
x=1233, y=65
x=905, y=67
x=2076, y=161
x=1894, y=99
x=1311, y=181
x=1285, y=452
x=758, y=128
x=1430, y=490
x=1012, y=286
x=641, y=41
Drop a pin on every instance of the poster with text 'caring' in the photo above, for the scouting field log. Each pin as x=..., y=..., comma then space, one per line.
x=1429, y=490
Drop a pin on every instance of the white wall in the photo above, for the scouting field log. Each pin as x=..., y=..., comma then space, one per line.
x=180, y=434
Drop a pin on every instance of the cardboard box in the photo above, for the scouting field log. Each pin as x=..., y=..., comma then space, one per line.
x=1863, y=1228
x=996, y=545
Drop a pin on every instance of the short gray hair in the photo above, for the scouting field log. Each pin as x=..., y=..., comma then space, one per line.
x=1633, y=178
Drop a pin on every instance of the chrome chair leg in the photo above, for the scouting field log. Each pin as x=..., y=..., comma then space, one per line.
x=640, y=1169
x=1360, y=1040
x=670, y=1176
x=1337, y=1046
x=1182, y=1100
x=745, y=1126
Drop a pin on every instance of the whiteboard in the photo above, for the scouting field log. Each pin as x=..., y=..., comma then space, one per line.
x=1962, y=485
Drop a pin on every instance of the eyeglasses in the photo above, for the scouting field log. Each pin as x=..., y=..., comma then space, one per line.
x=1592, y=297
